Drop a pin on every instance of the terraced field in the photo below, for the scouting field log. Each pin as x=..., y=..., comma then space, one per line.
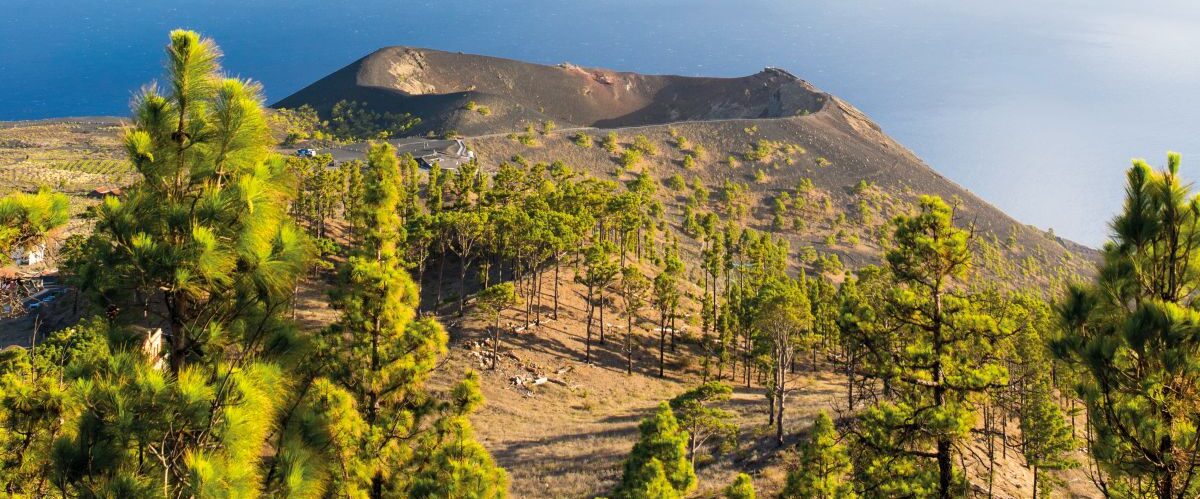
x=73, y=156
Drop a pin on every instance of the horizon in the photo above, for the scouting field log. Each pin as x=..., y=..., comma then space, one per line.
x=1000, y=99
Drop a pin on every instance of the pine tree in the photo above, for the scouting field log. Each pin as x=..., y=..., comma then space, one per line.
x=634, y=287
x=25, y=219
x=489, y=303
x=449, y=461
x=942, y=359
x=824, y=466
x=783, y=316
x=465, y=231
x=663, y=441
x=1046, y=436
x=741, y=488
x=696, y=413
x=205, y=248
x=599, y=272
x=381, y=354
x=655, y=484
x=666, y=300
x=1131, y=333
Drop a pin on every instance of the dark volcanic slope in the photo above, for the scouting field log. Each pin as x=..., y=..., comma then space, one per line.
x=436, y=86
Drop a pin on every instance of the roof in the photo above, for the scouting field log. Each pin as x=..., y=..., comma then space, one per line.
x=106, y=191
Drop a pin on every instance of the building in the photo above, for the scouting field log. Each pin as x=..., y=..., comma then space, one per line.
x=103, y=191
x=449, y=158
x=152, y=345
x=32, y=255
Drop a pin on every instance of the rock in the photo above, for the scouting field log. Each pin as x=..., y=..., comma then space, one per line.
x=540, y=381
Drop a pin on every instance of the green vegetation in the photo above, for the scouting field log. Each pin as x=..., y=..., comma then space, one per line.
x=697, y=412
x=741, y=488
x=658, y=465
x=630, y=158
x=689, y=161
x=25, y=219
x=642, y=144
x=610, y=143
x=235, y=402
x=354, y=121
x=349, y=121
x=824, y=468
x=946, y=363
x=582, y=139
x=1129, y=334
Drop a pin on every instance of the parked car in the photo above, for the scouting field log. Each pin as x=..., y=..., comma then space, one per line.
x=306, y=153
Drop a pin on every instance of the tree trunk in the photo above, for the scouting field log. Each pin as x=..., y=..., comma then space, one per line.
x=496, y=342
x=591, y=308
x=601, y=305
x=462, y=285
x=780, y=391
x=437, y=301
x=629, y=343
x=557, y=264
x=662, y=342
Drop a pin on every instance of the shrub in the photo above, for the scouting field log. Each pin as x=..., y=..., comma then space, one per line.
x=689, y=161
x=630, y=158
x=582, y=139
x=806, y=186
x=676, y=182
x=643, y=144
x=610, y=143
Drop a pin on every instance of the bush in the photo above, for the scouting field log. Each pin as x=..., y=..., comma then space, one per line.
x=527, y=139
x=582, y=139
x=630, y=158
x=676, y=182
x=642, y=143
x=610, y=143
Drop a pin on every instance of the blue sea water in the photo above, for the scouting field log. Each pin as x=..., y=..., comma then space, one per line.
x=1036, y=105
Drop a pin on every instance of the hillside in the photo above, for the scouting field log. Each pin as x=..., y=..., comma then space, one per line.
x=811, y=135
x=747, y=142
x=436, y=86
